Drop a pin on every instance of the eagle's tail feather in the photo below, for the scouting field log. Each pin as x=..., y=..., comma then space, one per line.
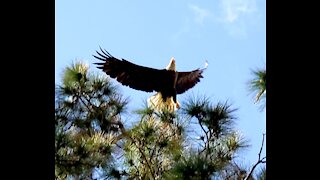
x=157, y=103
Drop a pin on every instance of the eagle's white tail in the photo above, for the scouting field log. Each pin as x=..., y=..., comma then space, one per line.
x=156, y=102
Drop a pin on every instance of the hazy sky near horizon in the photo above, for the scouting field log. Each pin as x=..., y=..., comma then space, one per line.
x=229, y=34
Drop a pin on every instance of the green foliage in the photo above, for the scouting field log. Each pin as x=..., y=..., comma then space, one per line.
x=92, y=101
x=257, y=84
x=77, y=152
x=90, y=135
x=219, y=141
x=216, y=119
x=151, y=147
x=192, y=167
x=75, y=75
x=234, y=171
x=87, y=118
x=262, y=173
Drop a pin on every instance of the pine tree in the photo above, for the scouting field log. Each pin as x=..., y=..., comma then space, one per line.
x=218, y=142
x=87, y=120
x=198, y=141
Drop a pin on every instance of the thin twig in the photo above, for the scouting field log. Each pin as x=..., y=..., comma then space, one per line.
x=259, y=160
x=90, y=109
x=206, y=133
x=143, y=155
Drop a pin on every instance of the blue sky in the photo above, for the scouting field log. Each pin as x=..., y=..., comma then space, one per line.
x=229, y=34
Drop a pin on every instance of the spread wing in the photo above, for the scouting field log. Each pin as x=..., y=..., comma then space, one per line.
x=187, y=80
x=135, y=76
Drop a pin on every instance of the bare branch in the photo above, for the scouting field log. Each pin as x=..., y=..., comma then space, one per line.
x=206, y=133
x=261, y=145
x=259, y=160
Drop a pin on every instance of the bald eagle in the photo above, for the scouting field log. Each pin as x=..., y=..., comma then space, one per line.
x=166, y=82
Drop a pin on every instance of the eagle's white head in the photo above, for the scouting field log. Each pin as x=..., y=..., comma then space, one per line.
x=172, y=65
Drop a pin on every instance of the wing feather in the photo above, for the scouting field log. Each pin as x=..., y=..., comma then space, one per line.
x=187, y=80
x=133, y=75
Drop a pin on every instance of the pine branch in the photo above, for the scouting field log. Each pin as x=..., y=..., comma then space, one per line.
x=259, y=95
x=89, y=109
x=144, y=157
x=206, y=133
x=134, y=142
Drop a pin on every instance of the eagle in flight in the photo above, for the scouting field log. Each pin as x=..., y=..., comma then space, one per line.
x=166, y=82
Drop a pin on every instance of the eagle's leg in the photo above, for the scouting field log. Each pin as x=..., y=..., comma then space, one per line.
x=175, y=100
x=160, y=102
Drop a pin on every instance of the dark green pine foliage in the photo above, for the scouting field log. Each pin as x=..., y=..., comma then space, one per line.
x=218, y=141
x=87, y=121
x=91, y=138
x=257, y=85
x=153, y=144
